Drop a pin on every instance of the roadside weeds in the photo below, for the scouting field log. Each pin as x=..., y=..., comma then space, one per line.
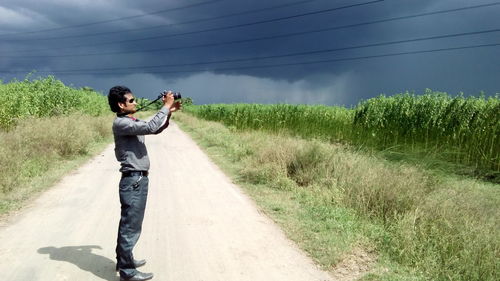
x=347, y=209
x=39, y=151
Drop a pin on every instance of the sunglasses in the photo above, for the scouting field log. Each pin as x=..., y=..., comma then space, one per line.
x=131, y=100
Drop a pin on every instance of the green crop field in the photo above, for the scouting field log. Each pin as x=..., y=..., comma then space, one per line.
x=46, y=97
x=457, y=129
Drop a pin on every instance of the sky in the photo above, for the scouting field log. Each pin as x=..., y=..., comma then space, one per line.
x=333, y=52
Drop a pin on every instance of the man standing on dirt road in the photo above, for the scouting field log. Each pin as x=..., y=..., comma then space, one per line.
x=130, y=151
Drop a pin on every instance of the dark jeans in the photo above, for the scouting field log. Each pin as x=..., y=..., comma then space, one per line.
x=133, y=196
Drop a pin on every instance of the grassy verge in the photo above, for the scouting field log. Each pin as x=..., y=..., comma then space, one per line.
x=357, y=214
x=39, y=151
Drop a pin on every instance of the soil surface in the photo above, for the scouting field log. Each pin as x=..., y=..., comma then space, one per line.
x=198, y=225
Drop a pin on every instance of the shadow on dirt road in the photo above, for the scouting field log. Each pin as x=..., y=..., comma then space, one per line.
x=83, y=257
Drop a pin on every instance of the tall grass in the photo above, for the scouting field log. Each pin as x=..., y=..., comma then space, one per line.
x=319, y=121
x=468, y=129
x=46, y=97
x=456, y=129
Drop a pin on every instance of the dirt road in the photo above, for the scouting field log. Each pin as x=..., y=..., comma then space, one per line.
x=198, y=225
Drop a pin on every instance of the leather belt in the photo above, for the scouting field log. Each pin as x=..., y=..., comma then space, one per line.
x=135, y=173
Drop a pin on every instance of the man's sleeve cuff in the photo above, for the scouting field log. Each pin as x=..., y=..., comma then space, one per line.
x=165, y=110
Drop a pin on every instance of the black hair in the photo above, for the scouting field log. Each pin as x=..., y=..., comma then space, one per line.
x=116, y=95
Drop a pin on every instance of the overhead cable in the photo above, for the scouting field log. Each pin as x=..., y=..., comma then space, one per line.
x=113, y=20
x=315, y=52
x=268, y=65
x=281, y=6
x=214, y=29
x=261, y=38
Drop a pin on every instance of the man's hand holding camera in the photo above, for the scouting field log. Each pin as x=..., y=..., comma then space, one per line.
x=170, y=102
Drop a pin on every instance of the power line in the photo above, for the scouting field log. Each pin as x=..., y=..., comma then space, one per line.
x=172, y=24
x=113, y=20
x=277, y=65
x=289, y=54
x=267, y=37
x=217, y=28
x=347, y=59
x=289, y=64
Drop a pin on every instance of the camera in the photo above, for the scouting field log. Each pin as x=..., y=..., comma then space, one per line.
x=177, y=95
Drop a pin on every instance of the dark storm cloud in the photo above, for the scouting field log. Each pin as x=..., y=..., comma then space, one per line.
x=335, y=82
